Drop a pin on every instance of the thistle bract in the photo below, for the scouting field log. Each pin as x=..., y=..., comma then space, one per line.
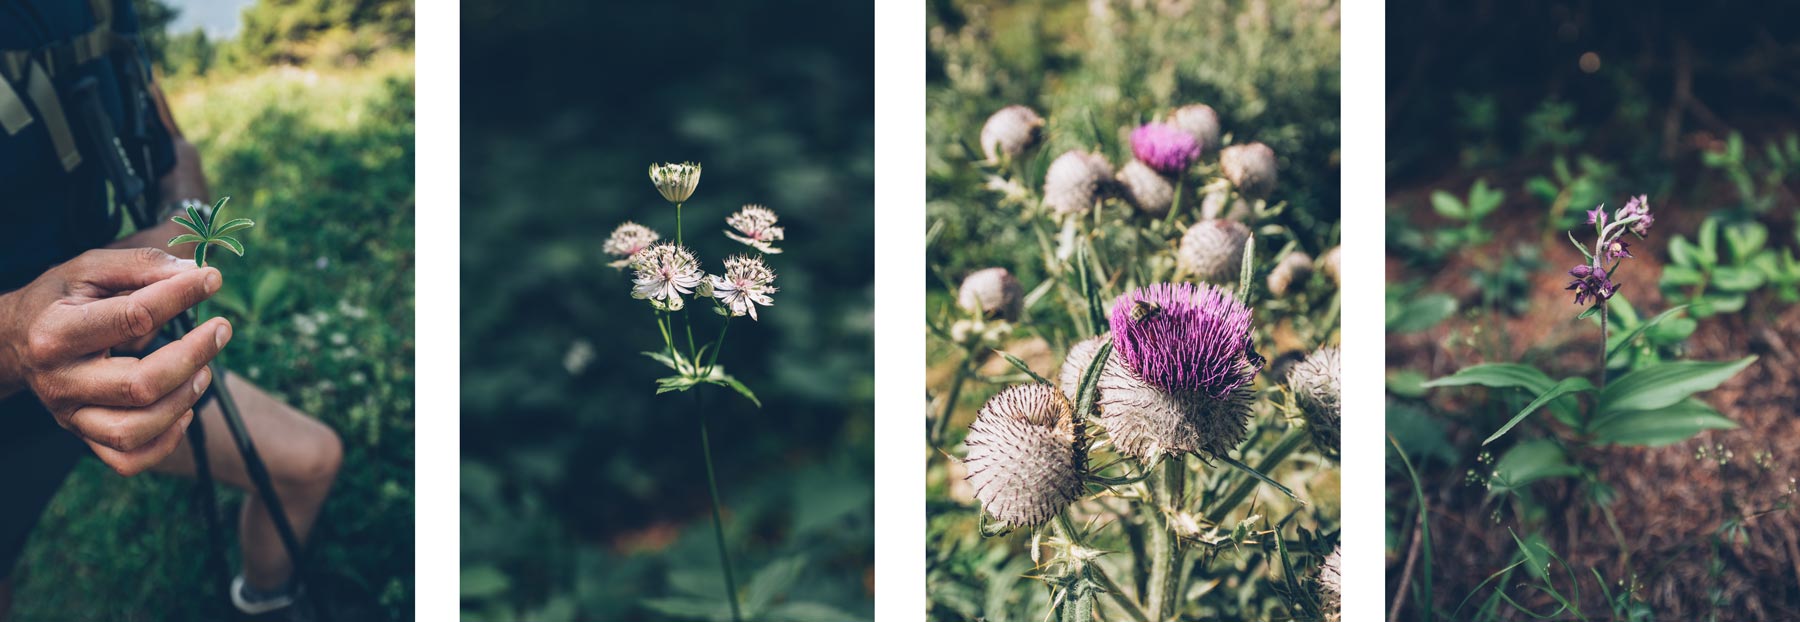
x=1199, y=121
x=1179, y=375
x=1331, y=585
x=1330, y=260
x=1165, y=148
x=756, y=228
x=1251, y=169
x=1075, y=181
x=1026, y=454
x=1213, y=250
x=1149, y=192
x=745, y=284
x=1076, y=363
x=664, y=273
x=676, y=182
x=1009, y=132
x=626, y=240
x=993, y=293
x=1314, y=383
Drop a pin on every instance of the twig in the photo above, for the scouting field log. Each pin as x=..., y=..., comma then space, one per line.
x=1406, y=573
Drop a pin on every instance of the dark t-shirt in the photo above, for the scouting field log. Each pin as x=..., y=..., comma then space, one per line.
x=51, y=215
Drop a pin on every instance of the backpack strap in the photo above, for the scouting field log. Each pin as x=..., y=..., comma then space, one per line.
x=13, y=115
x=43, y=94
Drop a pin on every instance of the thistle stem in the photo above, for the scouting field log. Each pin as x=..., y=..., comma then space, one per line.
x=1165, y=548
x=712, y=487
x=956, y=385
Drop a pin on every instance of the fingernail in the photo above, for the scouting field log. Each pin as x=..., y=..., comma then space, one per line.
x=214, y=281
x=200, y=380
x=222, y=335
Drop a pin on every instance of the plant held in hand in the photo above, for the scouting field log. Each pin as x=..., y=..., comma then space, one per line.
x=205, y=231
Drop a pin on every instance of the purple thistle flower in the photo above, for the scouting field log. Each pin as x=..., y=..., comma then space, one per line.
x=1185, y=338
x=1590, y=284
x=1166, y=148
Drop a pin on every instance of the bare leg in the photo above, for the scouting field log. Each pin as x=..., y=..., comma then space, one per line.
x=303, y=456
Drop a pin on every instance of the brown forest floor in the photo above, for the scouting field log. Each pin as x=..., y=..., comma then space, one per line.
x=1670, y=502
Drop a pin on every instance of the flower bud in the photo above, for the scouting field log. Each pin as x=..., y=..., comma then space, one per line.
x=1293, y=269
x=1213, y=250
x=1026, y=454
x=1150, y=193
x=1009, y=132
x=1314, y=383
x=1251, y=169
x=1075, y=181
x=1200, y=121
x=993, y=293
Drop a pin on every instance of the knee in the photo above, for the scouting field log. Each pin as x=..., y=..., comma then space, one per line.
x=316, y=465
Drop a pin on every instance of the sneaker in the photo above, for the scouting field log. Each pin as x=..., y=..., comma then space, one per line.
x=251, y=601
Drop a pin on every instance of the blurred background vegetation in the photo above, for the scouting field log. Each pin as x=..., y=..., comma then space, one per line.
x=1095, y=70
x=584, y=495
x=313, y=138
x=1506, y=121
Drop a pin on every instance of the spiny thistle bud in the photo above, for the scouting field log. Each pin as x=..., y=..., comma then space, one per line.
x=1076, y=364
x=1331, y=265
x=1009, y=132
x=676, y=182
x=1331, y=585
x=1296, y=267
x=1075, y=180
x=746, y=284
x=1199, y=121
x=1150, y=193
x=1213, y=250
x=1251, y=169
x=1314, y=383
x=1026, y=455
x=992, y=292
x=664, y=273
x=627, y=240
x=756, y=228
x=1166, y=148
x=1178, y=380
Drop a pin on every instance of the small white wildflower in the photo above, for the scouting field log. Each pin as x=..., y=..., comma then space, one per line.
x=627, y=240
x=756, y=224
x=664, y=273
x=746, y=284
x=580, y=354
x=676, y=182
x=338, y=339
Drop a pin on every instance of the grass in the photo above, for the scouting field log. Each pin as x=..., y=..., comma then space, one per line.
x=323, y=305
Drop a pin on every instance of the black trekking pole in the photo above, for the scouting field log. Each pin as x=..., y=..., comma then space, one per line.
x=129, y=190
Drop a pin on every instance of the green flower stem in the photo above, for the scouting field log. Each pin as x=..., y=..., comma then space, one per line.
x=963, y=372
x=1604, y=336
x=712, y=487
x=713, y=357
x=1165, y=548
x=1292, y=441
x=1130, y=606
x=687, y=321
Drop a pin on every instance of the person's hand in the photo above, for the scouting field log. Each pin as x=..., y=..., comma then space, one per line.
x=56, y=336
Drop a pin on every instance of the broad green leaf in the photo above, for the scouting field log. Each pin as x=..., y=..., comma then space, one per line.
x=1567, y=386
x=1724, y=303
x=1497, y=375
x=1419, y=313
x=484, y=582
x=1744, y=239
x=689, y=608
x=1683, y=253
x=1589, y=312
x=1709, y=242
x=1529, y=462
x=1673, y=331
x=1406, y=383
x=1448, y=206
x=1627, y=338
x=1665, y=384
x=772, y=581
x=234, y=225
x=1681, y=276
x=186, y=238
x=1737, y=278
x=1664, y=426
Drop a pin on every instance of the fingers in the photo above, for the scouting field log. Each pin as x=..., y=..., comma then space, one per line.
x=137, y=383
x=129, y=463
x=122, y=269
x=79, y=330
x=126, y=430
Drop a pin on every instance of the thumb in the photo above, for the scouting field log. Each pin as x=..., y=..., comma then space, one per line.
x=117, y=270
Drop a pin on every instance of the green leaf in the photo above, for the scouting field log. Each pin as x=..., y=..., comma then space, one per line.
x=1419, y=313
x=1259, y=476
x=1724, y=303
x=1448, y=206
x=1614, y=349
x=772, y=581
x=665, y=359
x=230, y=244
x=189, y=225
x=1529, y=462
x=1681, y=276
x=186, y=238
x=1664, y=426
x=1497, y=375
x=1406, y=383
x=1709, y=242
x=1023, y=367
x=1536, y=555
x=1590, y=311
x=1666, y=384
x=1745, y=239
x=735, y=385
x=688, y=608
x=1567, y=386
x=807, y=612
x=1090, y=381
x=200, y=254
x=234, y=225
x=1737, y=278
x=482, y=582
x=1683, y=253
